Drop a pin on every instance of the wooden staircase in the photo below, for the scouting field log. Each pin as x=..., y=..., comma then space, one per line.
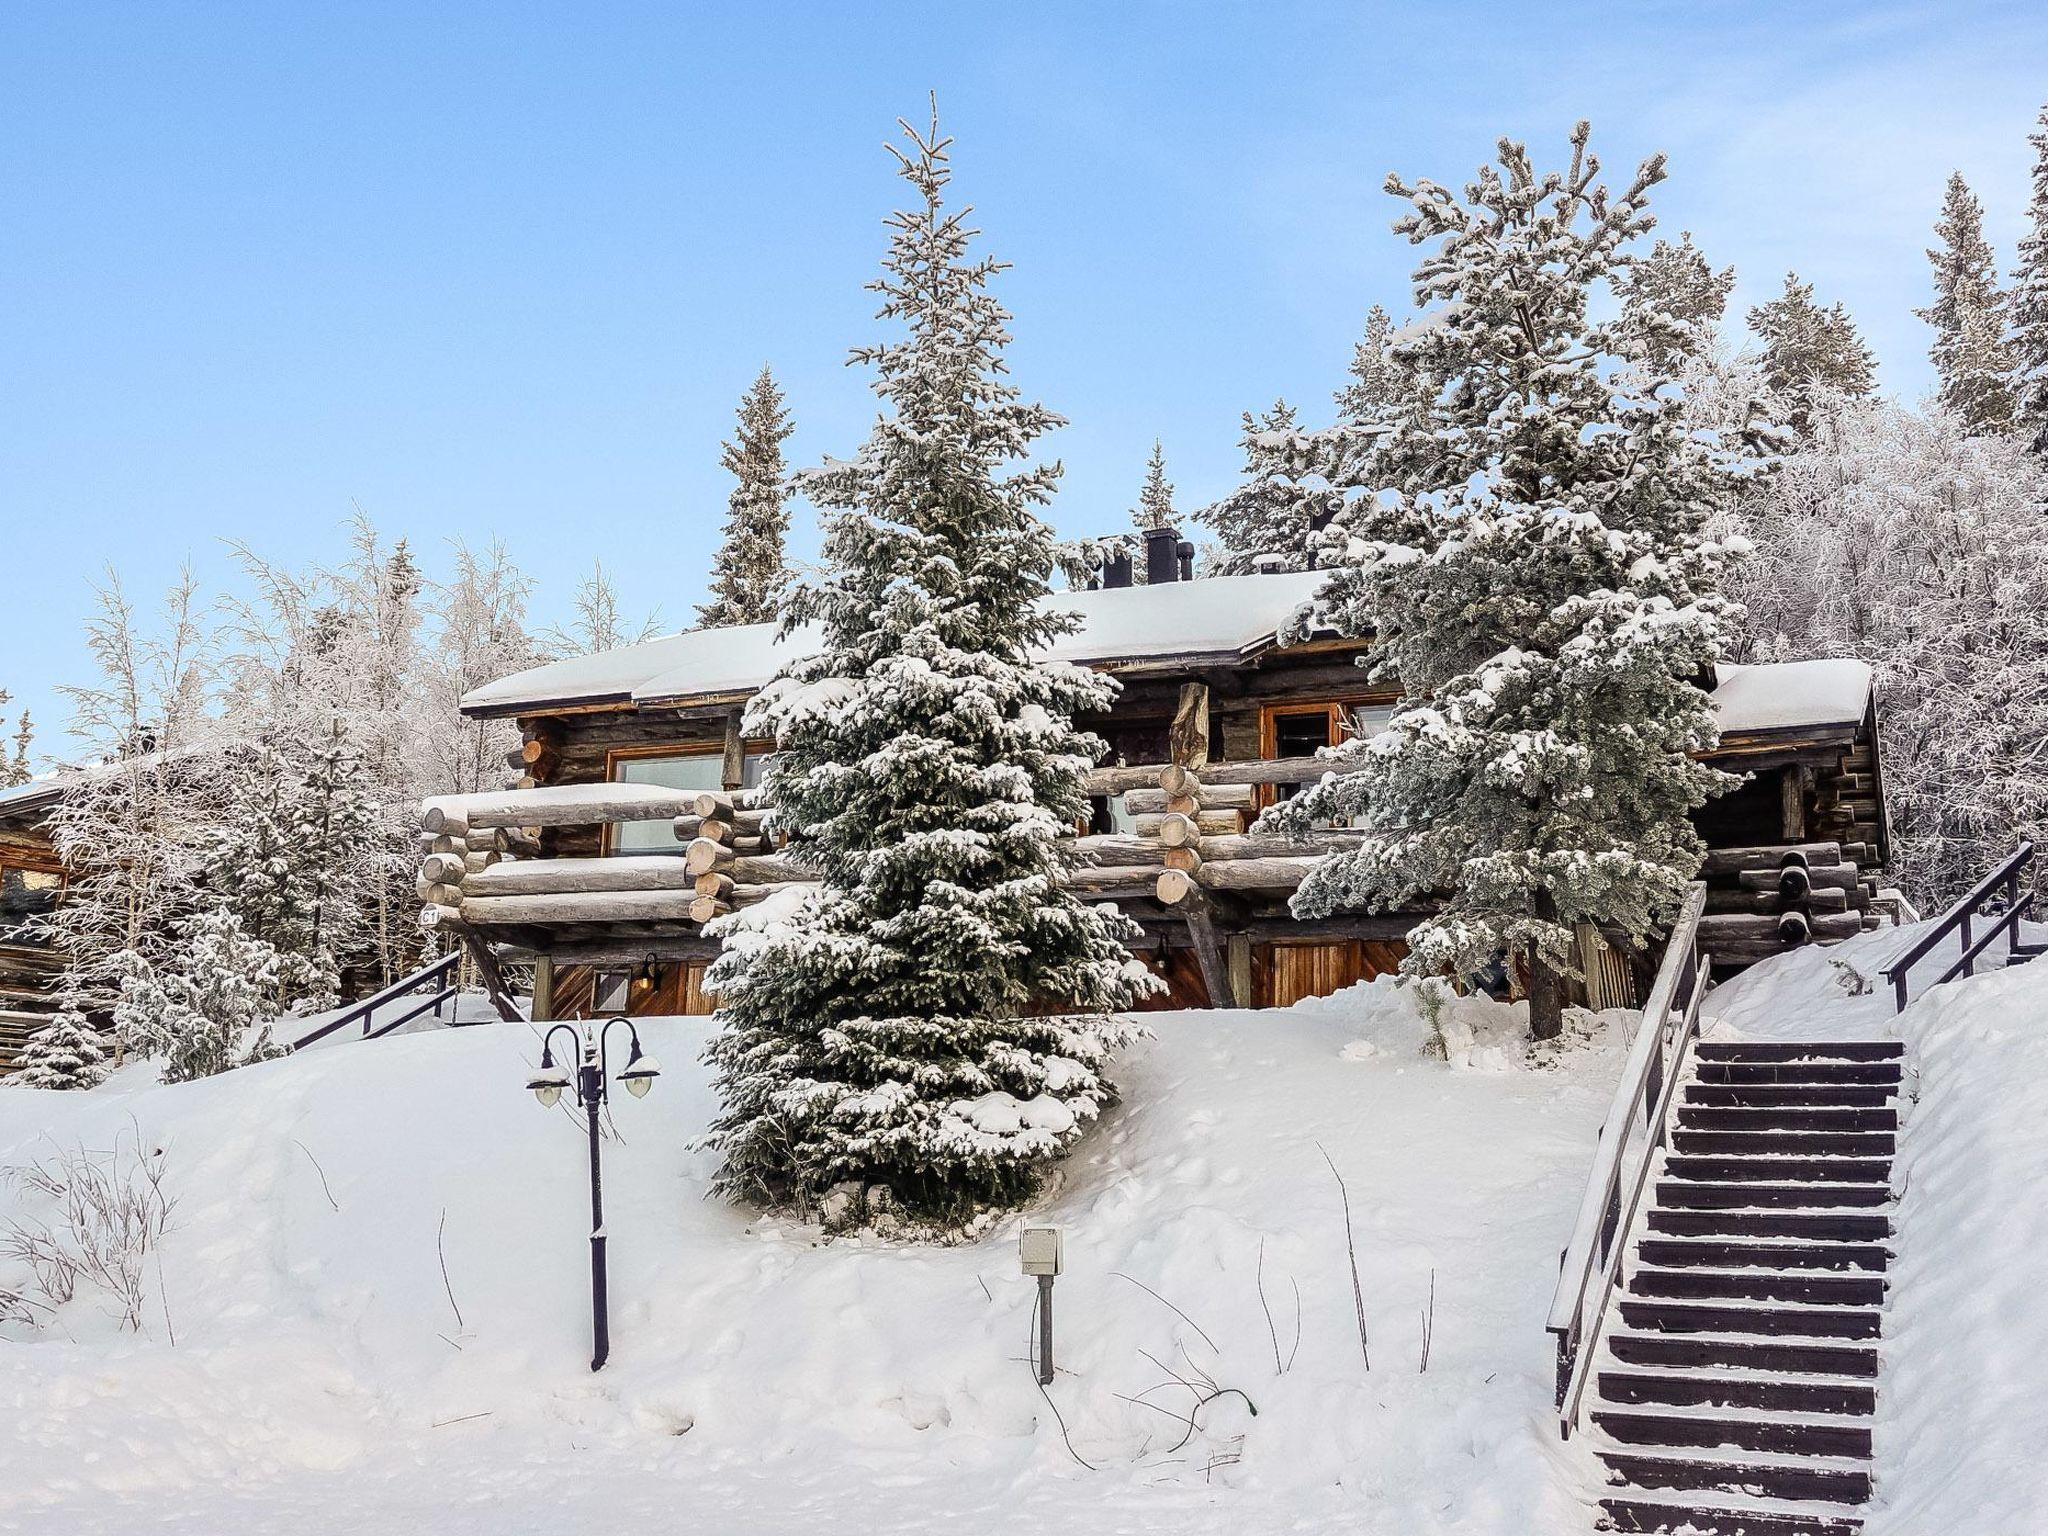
x=1736, y=1382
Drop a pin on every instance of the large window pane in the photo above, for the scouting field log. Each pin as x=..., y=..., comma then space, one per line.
x=690, y=770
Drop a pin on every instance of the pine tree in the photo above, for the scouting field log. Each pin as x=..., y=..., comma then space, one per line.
x=1673, y=298
x=1968, y=316
x=890, y=1033
x=204, y=1012
x=67, y=1052
x=1525, y=546
x=1379, y=384
x=1810, y=351
x=2029, y=303
x=1274, y=520
x=750, y=566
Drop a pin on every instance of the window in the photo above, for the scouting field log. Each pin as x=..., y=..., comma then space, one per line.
x=670, y=770
x=611, y=992
x=27, y=891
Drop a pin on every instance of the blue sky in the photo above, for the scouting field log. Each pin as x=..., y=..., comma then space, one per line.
x=504, y=270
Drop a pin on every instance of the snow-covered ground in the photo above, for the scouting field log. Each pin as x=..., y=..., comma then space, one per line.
x=306, y=1367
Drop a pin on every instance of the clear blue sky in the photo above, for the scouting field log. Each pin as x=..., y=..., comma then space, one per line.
x=504, y=270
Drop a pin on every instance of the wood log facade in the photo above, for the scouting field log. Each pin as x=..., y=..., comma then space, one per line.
x=1199, y=741
x=31, y=884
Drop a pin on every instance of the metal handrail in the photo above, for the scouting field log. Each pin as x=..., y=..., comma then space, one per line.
x=439, y=970
x=2019, y=905
x=1637, y=1121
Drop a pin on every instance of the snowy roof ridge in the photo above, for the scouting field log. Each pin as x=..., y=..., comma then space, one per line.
x=1215, y=616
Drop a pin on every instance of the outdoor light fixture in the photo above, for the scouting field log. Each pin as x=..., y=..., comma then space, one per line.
x=1039, y=1254
x=590, y=1046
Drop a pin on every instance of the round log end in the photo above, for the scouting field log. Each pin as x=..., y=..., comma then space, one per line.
x=1173, y=887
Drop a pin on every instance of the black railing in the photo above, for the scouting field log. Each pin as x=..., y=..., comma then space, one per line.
x=437, y=977
x=1630, y=1137
x=2015, y=878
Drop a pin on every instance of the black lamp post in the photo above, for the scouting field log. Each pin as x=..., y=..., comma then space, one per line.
x=589, y=1046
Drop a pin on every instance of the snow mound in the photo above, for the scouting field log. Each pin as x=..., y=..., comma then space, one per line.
x=376, y=1276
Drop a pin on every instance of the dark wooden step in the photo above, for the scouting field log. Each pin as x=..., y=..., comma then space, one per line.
x=1785, y=1393
x=1659, y=1314
x=1779, y=1095
x=1675, y=1253
x=1772, y=1141
x=1800, y=1073
x=1805, y=1118
x=1697, y=1519
x=1820, y=1226
x=1694, y=1195
x=1789, y=1437
x=1809, y=1287
x=1780, y=1170
x=1720, y=1352
x=1843, y=1484
x=1780, y=1050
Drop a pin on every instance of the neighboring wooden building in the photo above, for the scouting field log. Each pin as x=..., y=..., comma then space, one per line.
x=632, y=824
x=31, y=882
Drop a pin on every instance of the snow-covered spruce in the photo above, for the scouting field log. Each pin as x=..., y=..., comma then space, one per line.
x=1525, y=542
x=1810, y=351
x=749, y=569
x=1920, y=546
x=206, y=1011
x=67, y=1052
x=890, y=1032
x=1968, y=316
x=1674, y=300
x=2028, y=304
x=1274, y=520
x=1378, y=382
x=289, y=857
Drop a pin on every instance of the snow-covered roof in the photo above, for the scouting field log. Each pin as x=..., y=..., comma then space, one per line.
x=1219, y=616
x=1791, y=695
x=32, y=796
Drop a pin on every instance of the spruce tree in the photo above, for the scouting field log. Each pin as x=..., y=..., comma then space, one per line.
x=894, y=1032
x=1525, y=547
x=1673, y=298
x=67, y=1052
x=1155, y=497
x=2029, y=303
x=1968, y=316
x=1378, y=383
x=17, y=769
x=1810, y=351
x=1275, y=519
x=750, y=567
x=207, y=1011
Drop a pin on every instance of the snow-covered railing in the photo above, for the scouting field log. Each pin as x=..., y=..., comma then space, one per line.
x=1634, y=1130
x=2016, y=878
x=436, y=977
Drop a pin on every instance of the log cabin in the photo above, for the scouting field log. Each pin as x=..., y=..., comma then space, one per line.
x=31, y=882
x=633, y=820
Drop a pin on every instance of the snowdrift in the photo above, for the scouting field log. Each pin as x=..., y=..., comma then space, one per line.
x=371, y=1311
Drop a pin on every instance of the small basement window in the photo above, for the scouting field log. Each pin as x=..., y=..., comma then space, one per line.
x=612, y=993
x=670, y=770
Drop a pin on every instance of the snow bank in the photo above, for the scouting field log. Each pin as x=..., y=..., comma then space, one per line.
x=325, y=1377
x=1963, y=1404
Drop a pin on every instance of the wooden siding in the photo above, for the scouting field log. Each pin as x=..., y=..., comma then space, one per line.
x=1284, y=974
x=678, y=989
